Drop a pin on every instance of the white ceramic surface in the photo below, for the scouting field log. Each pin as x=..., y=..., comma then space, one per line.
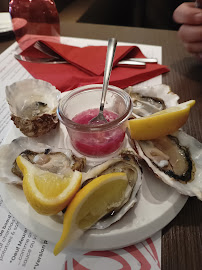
x=157, y=205
x=5, y=23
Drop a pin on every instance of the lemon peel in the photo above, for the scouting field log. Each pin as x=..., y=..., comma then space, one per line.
x=91, y=203
x=48, y=193
x=161, y=123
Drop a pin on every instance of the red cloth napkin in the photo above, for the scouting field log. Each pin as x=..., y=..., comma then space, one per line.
x=87, y=66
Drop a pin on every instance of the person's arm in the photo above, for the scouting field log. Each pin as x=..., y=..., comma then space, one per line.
x=190, y=31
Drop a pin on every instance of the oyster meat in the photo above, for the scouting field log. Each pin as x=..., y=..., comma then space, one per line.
x=47, y=158
x=176, y=159
x=151, y=99
x=125, y=162
x=33, y=104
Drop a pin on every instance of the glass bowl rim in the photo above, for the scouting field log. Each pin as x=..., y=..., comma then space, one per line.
x=95, y=128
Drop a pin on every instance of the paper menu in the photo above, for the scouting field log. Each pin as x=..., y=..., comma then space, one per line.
x=21, y=249
x=10, y=72
x=33, y=253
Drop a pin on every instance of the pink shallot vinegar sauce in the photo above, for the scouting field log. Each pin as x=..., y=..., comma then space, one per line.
x=97, y=143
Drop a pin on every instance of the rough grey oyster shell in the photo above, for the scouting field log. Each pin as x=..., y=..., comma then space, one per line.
x=151, y=99
x=176, y=159
x=125, y=162
x=33, y=104
x=56, y=160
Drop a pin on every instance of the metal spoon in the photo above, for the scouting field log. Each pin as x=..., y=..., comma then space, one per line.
x=100, y=119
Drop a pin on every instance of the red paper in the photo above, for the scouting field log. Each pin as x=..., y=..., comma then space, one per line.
x=87, y=67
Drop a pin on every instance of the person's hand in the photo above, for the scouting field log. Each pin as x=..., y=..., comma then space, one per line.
x=190, y=31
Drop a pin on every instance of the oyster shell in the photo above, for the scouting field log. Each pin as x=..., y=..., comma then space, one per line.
x=177, y=160
x=53, y=159
x=33, y=104
x=151, y=99
x=125, y=162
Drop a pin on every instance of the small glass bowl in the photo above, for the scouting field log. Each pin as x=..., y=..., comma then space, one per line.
x=95, y=140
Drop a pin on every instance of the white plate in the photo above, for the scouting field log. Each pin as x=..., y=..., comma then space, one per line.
x=158, y=204
x=5, y=23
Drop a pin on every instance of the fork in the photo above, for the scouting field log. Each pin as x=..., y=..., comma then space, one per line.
x=52, y=60
x=46, y=50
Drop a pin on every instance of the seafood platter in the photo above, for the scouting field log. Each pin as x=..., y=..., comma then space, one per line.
x=160, y=174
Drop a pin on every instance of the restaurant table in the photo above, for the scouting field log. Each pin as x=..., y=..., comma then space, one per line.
x=182, y=237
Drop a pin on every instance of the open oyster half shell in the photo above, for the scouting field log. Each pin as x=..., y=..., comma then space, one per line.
x=177, y=160
x=151, y=99
x=45, y=157
x=33, y=104
x=125, y=162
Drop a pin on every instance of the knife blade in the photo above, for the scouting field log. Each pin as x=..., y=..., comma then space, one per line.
x=128, y=63
x=144, y=60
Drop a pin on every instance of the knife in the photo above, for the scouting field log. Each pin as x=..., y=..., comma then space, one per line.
x=131, y=62
x=54, y=60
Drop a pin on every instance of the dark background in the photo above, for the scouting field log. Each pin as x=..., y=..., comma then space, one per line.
x=139, y=13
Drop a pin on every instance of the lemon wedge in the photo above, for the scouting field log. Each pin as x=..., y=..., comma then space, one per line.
x=90, y=204
x=161, y=123
x=47, y=193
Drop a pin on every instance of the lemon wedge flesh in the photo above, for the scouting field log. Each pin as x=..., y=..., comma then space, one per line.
x=161, y=123
x=47, y=193
x=90, y=204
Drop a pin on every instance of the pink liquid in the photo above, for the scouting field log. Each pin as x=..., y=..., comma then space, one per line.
x=33, y=20
x=86, y=116
x=97, y=143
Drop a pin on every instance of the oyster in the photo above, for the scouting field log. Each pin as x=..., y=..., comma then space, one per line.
x=176, y=159
x=151, y=99
x=33, y=104
x=48, y=158
x=125, y=162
